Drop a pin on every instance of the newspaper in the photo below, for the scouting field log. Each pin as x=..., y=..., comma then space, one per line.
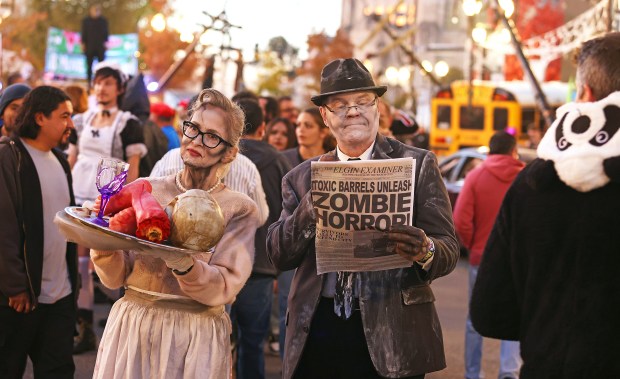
x=356, y=202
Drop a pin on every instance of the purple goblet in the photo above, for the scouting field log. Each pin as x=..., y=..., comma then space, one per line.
x=111, y=175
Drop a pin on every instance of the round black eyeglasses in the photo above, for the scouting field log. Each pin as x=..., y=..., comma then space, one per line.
x=210, y=140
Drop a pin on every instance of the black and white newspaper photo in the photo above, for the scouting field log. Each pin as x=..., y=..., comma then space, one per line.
x=355, y=203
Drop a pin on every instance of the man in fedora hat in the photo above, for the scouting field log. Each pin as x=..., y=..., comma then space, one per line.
x=390, y=327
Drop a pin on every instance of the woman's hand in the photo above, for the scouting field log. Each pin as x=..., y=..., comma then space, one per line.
x=97, y=204
x=180, y=264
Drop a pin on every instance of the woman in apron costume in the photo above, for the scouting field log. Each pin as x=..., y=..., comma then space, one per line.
x=102, y=132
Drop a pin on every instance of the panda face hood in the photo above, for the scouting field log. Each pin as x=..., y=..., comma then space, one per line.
x=584, y=143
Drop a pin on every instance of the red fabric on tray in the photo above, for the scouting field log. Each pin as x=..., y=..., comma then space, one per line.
x=123, y=199
x=153, y=223
x=124, y=221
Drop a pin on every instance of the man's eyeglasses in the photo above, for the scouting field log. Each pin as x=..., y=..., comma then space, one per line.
x=341, y=109
x=210, y=140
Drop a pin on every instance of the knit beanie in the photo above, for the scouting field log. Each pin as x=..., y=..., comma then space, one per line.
x=12, y=93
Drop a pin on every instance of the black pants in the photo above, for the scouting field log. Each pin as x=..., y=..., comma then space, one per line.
x=45, y=335
x=90, y=58
x=336, y=348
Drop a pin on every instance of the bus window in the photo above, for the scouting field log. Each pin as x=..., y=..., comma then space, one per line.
x=444, y=117
x=500, y=118
x=528, y=116
x=472, y=118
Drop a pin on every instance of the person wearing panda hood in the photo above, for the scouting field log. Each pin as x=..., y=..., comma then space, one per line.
x=549, y=272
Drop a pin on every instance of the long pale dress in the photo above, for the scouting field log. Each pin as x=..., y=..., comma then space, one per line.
x=169, y=326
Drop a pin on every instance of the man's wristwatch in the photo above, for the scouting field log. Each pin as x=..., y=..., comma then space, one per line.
x=430, y=252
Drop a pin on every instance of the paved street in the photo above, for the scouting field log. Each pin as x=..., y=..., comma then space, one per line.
x=451, y=294
x=451, y=301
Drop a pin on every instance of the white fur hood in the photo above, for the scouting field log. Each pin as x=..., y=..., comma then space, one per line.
x=581, y=139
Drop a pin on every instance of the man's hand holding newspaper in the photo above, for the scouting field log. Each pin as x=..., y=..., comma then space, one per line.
x=364, y=216
x=411, y=242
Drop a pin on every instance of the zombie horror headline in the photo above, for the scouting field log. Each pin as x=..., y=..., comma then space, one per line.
x=355, y=203
x=356, y=211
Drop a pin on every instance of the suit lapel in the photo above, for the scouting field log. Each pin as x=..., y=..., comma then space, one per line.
x=382, y=149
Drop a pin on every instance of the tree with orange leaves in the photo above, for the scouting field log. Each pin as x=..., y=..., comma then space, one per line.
x=26, y=34
x=159, y=50
x=323, y=49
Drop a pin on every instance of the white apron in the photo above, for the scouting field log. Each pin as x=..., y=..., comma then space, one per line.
x=93, y=144
x=161, y=336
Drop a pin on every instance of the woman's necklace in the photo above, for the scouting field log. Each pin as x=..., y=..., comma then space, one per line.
x=183, y=189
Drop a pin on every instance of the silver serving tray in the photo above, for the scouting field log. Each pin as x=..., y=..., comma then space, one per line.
x=75, y=225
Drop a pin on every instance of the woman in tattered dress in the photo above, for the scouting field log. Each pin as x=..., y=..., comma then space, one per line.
x=171, y=323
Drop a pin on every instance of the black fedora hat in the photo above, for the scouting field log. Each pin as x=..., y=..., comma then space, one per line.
x=345, y=75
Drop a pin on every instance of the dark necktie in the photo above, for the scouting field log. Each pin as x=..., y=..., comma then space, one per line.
x=105, y=113
x=343, y=298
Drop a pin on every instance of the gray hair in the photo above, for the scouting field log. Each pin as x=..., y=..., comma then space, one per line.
x=233, y=115
x=598, y=64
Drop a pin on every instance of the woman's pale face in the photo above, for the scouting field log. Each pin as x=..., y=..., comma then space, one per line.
x=193, y=152
x=309, y=133
x=278, y=136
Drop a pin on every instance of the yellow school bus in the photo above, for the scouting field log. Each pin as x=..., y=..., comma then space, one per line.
x=459, y=120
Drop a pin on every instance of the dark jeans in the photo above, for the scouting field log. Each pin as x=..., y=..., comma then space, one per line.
x=336, y=348
x=90, y=58
x=251, y=311
x=45, y=335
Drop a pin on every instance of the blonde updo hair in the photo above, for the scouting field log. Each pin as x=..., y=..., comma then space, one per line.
x=233, y=115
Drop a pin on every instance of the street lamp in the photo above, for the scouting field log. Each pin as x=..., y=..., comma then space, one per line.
x=158, y=22
x=427, y=65
x=186, y=36
x=391, y=74
x=479, y=34
x=404, y=74
x=508, y=6
x=441, y=69
x=480, y=38
x=398, y=17
x=398, y=76
x=472, y=7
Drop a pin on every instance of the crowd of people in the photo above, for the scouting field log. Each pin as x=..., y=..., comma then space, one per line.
x=541, y=241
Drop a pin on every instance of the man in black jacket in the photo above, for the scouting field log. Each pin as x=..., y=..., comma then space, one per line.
x=38, y=268
x=549, y=271
x=369, y=324
x=253, y=305
x=94, y=36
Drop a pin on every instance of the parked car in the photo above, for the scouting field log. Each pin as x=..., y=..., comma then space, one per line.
x=455, y=167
